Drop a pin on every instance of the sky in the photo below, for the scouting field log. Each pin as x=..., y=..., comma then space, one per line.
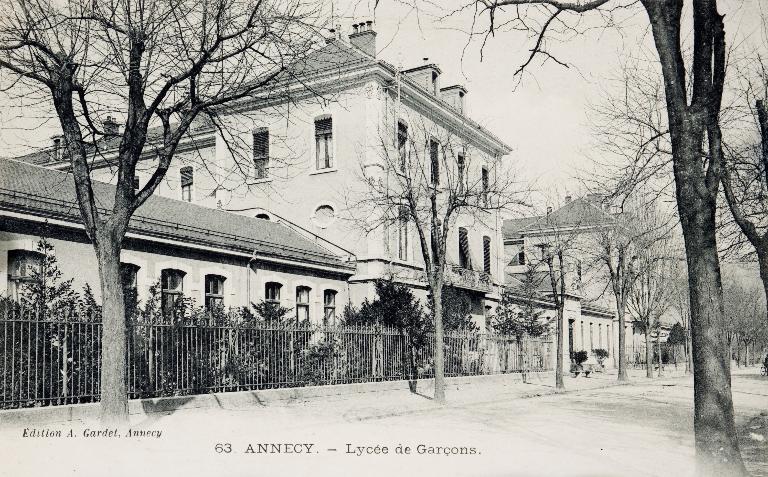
x=544, y=117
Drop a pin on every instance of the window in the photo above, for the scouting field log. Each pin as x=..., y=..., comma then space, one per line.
x=214, y=291
x=591, y=337
x=23, y=267
x=324, y=216
x=434, y=161
x=272, y=292
x=329, y=307
x=521, y=257
x=402, y=233
x=461, y=164
x=402, y=145
x=261, y=152
x=324, y=142
x=172, y=286
x=136, y=183
x=128, y=276
x=187, y=178
x=262, y=216
x=465, y=260
x=487, y=254
x=302, y=303
x=485, y=186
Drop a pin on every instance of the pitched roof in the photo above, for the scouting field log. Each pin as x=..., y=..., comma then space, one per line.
x=49, y=193
x=582, y=212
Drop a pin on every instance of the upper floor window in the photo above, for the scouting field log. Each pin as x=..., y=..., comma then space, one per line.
x=261, y=152
x=487, y=254
x=329, y=307
x=521, y=257
x=187, y=180
x=324, y=142
x=214, y=291
x=434, y=161
x=465, y=259
x=302, y=303
x=272, y=292
x=485, y=186
x=172, y=287
x=402, y=145
x=23, y=268
x=136, y=183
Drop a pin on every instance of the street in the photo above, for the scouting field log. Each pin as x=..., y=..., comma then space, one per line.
x=597, y=428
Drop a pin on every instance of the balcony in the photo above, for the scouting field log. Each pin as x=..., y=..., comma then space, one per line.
x=459, y=277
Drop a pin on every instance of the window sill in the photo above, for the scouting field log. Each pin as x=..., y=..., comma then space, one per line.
x=323, y=171
x=262, y=181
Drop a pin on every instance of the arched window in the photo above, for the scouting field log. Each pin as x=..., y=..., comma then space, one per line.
x=263, y=216
x=214, y=291
x=272, y=292
x=302, y=303
x=23, y=267
x=329, y=307
x=324, y=142
x=172, y=287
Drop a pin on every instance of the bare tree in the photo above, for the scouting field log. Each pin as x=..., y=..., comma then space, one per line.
x=431, y=181
x=158, y=64
x=693, y=114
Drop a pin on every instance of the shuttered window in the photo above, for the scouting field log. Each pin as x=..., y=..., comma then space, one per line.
x=324, y=142
x=402, y=145
x=465, y=259
x=187, y=179
x=402, y=233
x=434, y=161
x=261, y=152
x=487, y=254
x=485, y=186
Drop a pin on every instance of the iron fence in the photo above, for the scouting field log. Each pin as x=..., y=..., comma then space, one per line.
x=51, y=360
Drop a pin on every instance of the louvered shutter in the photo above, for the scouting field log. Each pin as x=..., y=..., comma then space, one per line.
x=487, y=254
x=186, y=176
x=465, y=260
x=323, y=126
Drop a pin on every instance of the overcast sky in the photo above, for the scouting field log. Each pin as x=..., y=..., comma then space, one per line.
x=544, y=118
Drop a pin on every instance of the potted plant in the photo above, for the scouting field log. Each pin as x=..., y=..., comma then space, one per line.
x=600, y=355
x=577, y=360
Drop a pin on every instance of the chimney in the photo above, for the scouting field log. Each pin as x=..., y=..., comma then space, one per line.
x=454, y=95
x=111, y=128
x=364, y=38
x=427, y=76
x=568, y=199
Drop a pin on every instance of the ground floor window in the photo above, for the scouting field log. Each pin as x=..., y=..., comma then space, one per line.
x=23, y=269
x=214, y=291
x=329, y=307
x=172, y=287
x=302, y=303
x=272, y=292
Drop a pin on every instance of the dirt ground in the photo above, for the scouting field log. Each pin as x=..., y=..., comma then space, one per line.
x=595, y=429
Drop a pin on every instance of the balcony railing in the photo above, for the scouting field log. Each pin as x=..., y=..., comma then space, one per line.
x=470, y=279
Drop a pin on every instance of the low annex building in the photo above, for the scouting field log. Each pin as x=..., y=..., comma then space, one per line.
x=212, y=256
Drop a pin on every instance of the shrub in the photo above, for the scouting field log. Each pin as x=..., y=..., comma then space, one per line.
x=600, y=355
x=579, y=357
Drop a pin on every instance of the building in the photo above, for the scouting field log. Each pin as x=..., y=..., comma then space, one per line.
x=589, y=314
x=209, y=255
x=301, y=155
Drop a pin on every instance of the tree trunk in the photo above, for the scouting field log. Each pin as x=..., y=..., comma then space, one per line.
x=437, y=304
x=559, y=384
x=622, y=344
x=658, y=349
x=762, y=259
x=648, y=352
x=717, y=446
x=114, y=395
x=688, y=351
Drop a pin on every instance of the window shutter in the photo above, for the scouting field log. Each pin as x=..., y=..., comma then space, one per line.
x=434, y=149
x=465, y=260
x=487, y=254
x=261, y=143
x=186, y=176
x=323, y=126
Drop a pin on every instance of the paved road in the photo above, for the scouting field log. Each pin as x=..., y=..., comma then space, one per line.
x=640, y=429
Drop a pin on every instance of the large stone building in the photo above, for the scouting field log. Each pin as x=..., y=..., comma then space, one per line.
x=303, y=154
